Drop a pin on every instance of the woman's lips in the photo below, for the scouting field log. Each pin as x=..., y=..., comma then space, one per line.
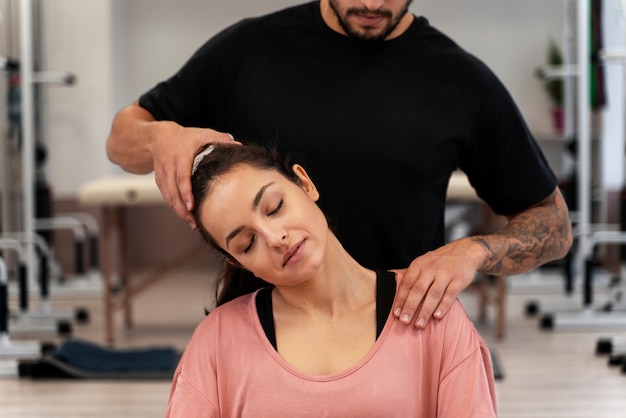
x=294, y=254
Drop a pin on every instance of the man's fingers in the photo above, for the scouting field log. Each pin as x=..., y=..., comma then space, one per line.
x=438, y=302
x=446, y=303
x=180, y=195
x=170, y=190
x=181, y=210
x=183, y=198
x=183, y=187
x=228, y=140
x=432, y=282
x=431, y=302
x=410, y=295
x=423, y=296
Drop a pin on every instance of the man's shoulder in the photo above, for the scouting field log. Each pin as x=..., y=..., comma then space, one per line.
x=292, y=15
x=267, y=28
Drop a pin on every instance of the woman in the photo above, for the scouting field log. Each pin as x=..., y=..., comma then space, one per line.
x=316, y=336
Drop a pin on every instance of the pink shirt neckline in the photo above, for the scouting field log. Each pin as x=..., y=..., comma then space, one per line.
x=267, y=345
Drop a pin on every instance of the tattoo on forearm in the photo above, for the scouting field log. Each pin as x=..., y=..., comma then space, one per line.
x=534, y=237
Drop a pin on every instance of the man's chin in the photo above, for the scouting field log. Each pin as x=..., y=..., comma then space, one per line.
x=370, y=35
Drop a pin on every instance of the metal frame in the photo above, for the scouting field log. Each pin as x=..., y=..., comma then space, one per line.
x=587, y=239
x=9, y=349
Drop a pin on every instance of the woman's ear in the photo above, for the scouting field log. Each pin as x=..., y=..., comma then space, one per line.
x=305, y=182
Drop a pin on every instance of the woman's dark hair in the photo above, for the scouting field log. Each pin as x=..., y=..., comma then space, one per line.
x=234, y=280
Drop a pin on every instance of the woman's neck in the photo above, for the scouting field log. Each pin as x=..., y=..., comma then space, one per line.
x=340, y=284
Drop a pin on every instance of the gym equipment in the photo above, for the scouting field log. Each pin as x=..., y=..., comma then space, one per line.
x=615, y=348
x=76, y=227
x=84, y=280
x=27, y=206
x=591, y=315
x=588, y=237
x=610, y=345
x=90, y=224
x=9, y=349
x=44, y=321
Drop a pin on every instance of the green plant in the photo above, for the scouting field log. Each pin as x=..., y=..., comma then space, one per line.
x=554, y=86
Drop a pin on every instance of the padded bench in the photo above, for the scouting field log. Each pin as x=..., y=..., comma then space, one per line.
x=112, y=196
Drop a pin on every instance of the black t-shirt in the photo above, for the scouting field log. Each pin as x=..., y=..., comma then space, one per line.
x=380, y=125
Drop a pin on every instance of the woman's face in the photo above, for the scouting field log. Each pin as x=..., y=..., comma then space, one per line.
x=267, y=223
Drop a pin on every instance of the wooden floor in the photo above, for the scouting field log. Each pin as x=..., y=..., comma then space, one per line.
x=548, y=374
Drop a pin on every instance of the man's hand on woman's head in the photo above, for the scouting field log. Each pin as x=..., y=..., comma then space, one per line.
x=173, y=150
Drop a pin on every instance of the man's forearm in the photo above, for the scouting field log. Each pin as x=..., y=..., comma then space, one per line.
x=531, y=238
x=128, y=142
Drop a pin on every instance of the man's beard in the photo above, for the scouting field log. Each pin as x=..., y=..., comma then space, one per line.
x=351, y=31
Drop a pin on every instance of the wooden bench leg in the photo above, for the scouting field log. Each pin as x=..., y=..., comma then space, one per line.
x=488, y=296
x=501, y=288
x=108, y=224
x=124, y=270
x=483, y=297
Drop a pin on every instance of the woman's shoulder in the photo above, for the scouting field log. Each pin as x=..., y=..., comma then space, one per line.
x=220, y=325
x=457, y=331
x=232, y=311
x=456, y=317
x=235, y=304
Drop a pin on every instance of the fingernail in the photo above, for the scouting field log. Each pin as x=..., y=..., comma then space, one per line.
x=438, y=314
x=188, y=205
x=192, y=226
x=421, y=322
x=405, y=318
x=397, y=312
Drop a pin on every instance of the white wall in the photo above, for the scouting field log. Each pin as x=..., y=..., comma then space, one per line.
x=120, y=48
x=78, y=40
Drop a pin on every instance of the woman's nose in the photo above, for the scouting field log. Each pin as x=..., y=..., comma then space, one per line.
x=279, y=240
x=276, y=236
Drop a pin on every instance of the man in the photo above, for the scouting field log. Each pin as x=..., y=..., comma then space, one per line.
x=384, y=108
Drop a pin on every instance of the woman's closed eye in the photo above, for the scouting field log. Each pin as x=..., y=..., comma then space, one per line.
x=276, y=209
x=249, y=246
x=253, y=237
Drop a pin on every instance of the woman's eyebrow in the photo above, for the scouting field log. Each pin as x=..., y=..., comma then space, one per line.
x=259, y=195
x=233, y=234
x=255, y=205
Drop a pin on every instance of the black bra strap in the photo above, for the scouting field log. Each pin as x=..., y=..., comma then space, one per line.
x=266, y=316
x=385, y=294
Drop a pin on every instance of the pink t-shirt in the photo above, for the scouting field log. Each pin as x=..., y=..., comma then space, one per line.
x=230, y=369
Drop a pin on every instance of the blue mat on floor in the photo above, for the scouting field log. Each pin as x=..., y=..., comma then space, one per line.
x=86, y=360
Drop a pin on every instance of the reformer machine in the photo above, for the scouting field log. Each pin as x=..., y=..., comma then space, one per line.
x=8, y=348
x=581, y=277
x=27, y=222
x=588, y=236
